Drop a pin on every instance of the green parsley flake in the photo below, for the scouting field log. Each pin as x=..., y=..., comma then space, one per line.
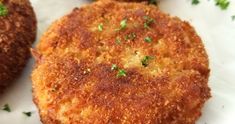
x=118, y=40
x=3, y=10
x=148, y=21
x=123, y=25
x=195, y=2
x=223, y=4
x=145, y=60
x=233, y=17
x=114, y=67
x=28, y=114
x=153, y=2
x=130, y=36
x=121, y=73
x=7, y=108
x=100, y=27
x=148, y=39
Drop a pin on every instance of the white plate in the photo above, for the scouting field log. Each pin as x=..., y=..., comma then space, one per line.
x=215, y=27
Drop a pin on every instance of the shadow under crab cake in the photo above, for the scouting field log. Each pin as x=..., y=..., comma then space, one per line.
x=17, y=33
x=117, y=62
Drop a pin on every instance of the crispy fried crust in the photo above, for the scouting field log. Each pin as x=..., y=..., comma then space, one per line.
x=17, y=33
x=73, y=81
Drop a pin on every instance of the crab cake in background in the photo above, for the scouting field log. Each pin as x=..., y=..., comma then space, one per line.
x=17, y=33
x=118, y=62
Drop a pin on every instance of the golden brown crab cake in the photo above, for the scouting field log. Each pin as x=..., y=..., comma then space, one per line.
x=113, y=62
x=17, y=33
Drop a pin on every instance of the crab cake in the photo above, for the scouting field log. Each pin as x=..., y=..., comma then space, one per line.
x=113, y=62
x=17, y=33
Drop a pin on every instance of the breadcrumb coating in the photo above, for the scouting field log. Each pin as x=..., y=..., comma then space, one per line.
x=17, y=33
x=122, y=63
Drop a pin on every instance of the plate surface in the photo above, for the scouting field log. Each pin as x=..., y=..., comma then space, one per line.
x=215, y=27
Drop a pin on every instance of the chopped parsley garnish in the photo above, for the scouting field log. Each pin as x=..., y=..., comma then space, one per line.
x=114, y=67
x=145, y=60
x=123, y=25
x=118, y=40
x=3, y=10
x=121, y=73
x=223, y=4
x=7, y=108
x=148, y=21
x=100, y=27
x=153, y=2
x=233, y=17
x=27, y=113
x=130, y=36
x=195, y=2
x=148, y=39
